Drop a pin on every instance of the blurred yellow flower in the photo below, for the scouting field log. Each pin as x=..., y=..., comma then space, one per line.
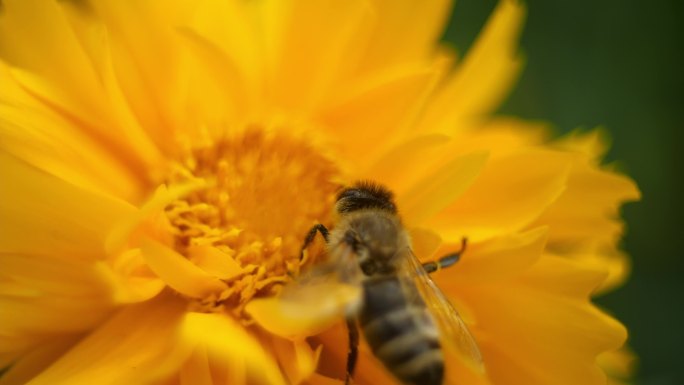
x=163, y=160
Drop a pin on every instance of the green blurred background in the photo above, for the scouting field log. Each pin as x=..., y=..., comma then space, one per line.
x=617, y=64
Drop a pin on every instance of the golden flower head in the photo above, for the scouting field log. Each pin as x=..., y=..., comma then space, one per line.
x=163, y=160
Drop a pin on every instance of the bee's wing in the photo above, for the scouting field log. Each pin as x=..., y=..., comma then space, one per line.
x=453, y=330
x=341, y=265
x=315, y=300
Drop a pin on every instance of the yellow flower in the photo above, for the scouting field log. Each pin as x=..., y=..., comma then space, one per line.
x=163, y=160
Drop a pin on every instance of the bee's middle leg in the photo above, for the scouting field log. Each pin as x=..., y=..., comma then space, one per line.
x=447, y=260
x=353, y=353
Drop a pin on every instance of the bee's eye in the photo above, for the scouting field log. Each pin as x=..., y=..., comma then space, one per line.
x=351, y=239
x=369, y=267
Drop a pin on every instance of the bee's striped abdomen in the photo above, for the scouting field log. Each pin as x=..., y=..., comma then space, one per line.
x=400, y=331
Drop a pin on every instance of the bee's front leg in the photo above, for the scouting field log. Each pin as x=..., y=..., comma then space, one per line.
x=353, y=353
x=319, y=228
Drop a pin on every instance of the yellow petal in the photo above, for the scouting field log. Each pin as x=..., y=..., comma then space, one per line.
x=223, y=337
x=148, y=219
x=233, y=27
x=378, y=110
x=510, y=193
x=215, y=262
x=42, y=137
x=178, y=272
x=296, y=358
x=479, y=84
x=440, y=188
x=145, y=53
x=204, y=366
x=495, y=259
x=584, y=222
x=37, y=360
x=593, y=144
x=40, y=295
x=619, y=365
x=138, y=345
x=70, y=75
x=551, y=333
x=588, y=208
x=424, y=242
x=131, y=278
x=44, y=215
x=601, y=257
x=129, y=140
x=404, y=31
x=196, y=369
x=325, y=27
x=217, y=93
x=501, y=136
x=59, y=59
x=398, y=168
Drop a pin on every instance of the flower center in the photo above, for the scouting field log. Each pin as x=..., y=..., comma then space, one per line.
x=266, y=191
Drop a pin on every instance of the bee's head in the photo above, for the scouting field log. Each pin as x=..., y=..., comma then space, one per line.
x=365, y=195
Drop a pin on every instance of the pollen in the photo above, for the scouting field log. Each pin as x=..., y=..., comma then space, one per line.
x=266, y=190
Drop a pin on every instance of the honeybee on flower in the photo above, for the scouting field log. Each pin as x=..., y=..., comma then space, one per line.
x=163, y=160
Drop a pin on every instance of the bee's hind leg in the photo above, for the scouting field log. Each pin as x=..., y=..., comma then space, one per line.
x=446, y=260
x=319, y=228
x=353, y=353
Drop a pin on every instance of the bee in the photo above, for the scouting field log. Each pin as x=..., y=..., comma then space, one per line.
x=405, y=318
